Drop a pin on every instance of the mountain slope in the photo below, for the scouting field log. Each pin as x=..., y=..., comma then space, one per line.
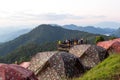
x=107, y=70
x=44, y=33
x=117, y=33
x=7, y=34
x=90, y=29
x=24, y=53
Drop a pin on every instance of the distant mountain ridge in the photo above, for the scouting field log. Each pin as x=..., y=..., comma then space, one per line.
x=108, y=24
x=42, y=34
x=90, y=29
x=116, y=33
x=8, y=34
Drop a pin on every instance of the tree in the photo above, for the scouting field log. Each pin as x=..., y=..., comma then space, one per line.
x=111, y=38
x=99, y=38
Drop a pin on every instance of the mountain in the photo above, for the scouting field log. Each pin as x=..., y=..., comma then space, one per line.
x=116, y=33
x=71, y=27
x=7, y=34
x=25, y=52
x=90, y=29
x=1, y=43
x=43, y=34
x=108, y=24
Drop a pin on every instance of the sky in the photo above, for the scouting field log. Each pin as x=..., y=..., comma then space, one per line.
x=79, y=12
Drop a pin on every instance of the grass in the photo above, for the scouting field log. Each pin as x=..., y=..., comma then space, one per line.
x=109, y=69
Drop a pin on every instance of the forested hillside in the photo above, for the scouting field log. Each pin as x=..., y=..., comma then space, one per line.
x=24, y=53
x=43, y=34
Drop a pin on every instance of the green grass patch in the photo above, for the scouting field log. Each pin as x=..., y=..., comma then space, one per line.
x=107, y=70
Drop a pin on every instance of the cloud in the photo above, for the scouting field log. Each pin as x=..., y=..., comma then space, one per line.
x=49, y=16
x=61, y=17
x=99, y=16
x=53, y=16
x=18, y=18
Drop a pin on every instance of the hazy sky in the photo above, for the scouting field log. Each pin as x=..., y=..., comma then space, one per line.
x=80, y=12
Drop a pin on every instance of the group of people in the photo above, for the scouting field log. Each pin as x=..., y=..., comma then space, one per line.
x=72, y=42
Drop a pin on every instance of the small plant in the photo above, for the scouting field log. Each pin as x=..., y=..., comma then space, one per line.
x=98, y=39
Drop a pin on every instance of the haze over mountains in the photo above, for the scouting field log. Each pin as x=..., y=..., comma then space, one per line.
x=7, y=34
x=90, y=29
x=41, y=38
x=42, y=34
x=116, y=33
x=107, y=28
x=108, y=24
